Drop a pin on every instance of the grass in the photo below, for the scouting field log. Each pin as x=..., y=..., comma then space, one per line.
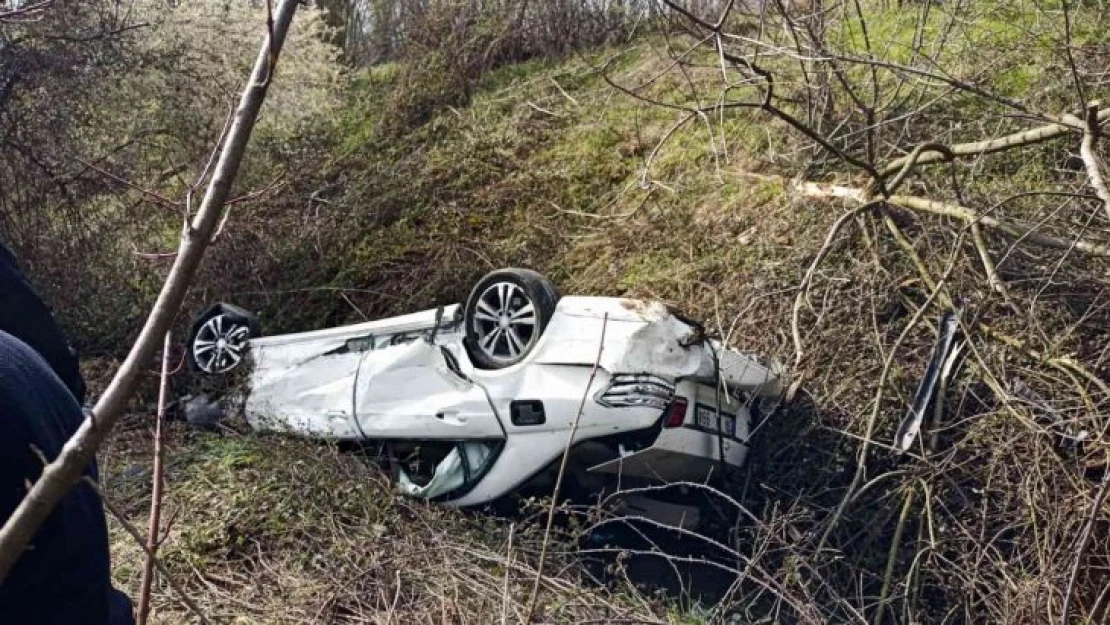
x=278, y=530
x=544, y=167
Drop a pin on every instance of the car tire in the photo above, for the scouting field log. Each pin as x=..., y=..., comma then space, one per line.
x=505, y=316
x=218, y=339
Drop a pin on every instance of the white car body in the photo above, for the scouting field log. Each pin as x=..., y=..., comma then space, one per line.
x=409, y=378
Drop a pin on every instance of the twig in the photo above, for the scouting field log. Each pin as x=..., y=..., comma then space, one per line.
x=156, y=197
x=152, y=538
x=892, y=555
x=24, y=14
x=562, y=471
x=808, y=278
x=1096, y=510
x=563, y=91
x=505, y=598
x=861, y=460
x=396, y=597
x=993, y=280
x=130, y=529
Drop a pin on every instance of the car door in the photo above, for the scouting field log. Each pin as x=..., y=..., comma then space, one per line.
x=304, y=385
x=413, y=391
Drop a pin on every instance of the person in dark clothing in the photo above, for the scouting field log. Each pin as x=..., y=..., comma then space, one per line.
x=24, y=315
x=63, y=577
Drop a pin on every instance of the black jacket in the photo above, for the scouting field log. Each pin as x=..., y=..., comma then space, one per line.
x=63, y=578
x=24, y=315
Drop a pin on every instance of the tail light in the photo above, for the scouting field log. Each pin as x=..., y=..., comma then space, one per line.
x=630, y=391
x=676, y=413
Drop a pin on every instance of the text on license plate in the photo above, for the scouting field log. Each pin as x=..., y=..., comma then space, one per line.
x=707, y=420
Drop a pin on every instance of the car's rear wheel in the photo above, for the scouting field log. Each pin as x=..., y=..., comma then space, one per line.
x=218, y=340
x=506, y=315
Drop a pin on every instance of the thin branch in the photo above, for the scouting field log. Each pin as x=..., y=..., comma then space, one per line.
x=830, y=237
x=130, y=529
x=155, y=521
x=505, y=596
x=157, y=197
x=562, y=471
x=990, y=146
x=65, y=470
x=1090, y=159
x=26, y=13
x=1096, y=511
x=993, y=279
x=912, y=161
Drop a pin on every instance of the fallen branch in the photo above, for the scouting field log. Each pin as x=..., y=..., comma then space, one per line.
x=1090, y=159
x=65, y=470
x=945, y=209
x=1087, y=246
x=990, y=146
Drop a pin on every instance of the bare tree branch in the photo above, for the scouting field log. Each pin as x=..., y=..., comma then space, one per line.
x=945, y=209
x=562, y=471
x=979, y=148
x=155, y=521
x=134, y=533
x=1091, y=134
x=26, y=13
x=65, y=470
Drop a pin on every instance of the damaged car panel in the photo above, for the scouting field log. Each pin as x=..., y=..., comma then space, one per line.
x=410, y=387
x=474, y=401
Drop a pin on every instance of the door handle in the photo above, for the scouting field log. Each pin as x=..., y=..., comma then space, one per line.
x=451, y=416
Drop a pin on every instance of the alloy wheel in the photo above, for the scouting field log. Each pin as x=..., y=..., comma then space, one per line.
x=219, y=344
x=504, y=322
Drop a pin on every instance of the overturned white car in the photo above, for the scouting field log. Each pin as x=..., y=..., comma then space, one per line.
x=473, y=401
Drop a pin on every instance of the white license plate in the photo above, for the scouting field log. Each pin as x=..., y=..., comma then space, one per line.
x=707, y=419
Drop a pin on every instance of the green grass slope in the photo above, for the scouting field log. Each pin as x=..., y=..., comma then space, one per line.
x=405, y=196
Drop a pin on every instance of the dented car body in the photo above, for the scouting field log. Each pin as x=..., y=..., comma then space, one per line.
x=664, y=402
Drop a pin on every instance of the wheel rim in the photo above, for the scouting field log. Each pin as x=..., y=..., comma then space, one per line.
x=219, y=344
x=504, y=322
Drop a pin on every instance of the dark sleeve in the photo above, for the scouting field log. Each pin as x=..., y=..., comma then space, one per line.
x=63, y=578
x=25, y=316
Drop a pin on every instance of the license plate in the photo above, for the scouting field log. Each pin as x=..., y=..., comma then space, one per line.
x=707, y=420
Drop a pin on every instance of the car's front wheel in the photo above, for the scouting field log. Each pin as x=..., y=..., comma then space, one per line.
x=218, y=340
x=505, y=316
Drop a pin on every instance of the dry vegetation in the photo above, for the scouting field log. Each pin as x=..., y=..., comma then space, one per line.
x=660, y=167
x=272, y=530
